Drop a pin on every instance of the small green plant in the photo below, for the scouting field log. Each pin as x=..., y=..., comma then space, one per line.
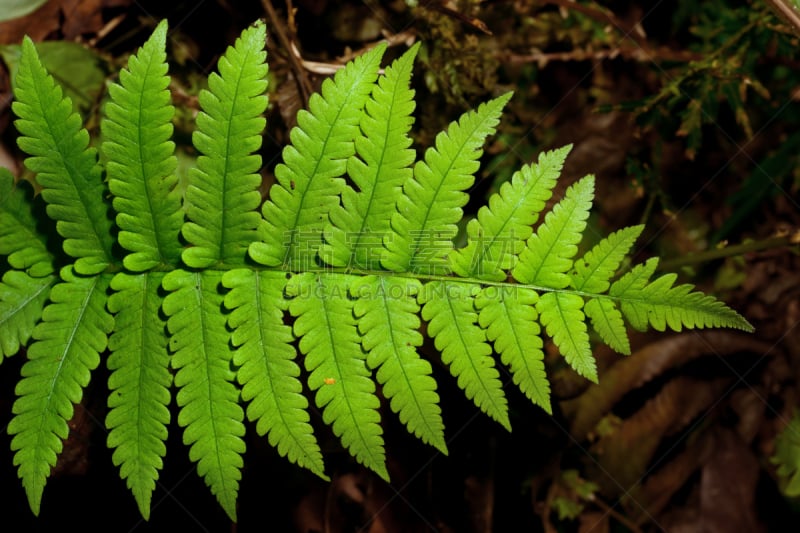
x=190, y=289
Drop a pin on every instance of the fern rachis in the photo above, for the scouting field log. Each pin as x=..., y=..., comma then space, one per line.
x=357, y=268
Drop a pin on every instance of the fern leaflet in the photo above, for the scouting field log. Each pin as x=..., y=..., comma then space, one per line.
x=141, y=164
x=65, y=166
x=452, y=322
x=67, y=347
x=267, y=371
x=426, y=215
x=139, y=383
x=388, y=321
x=380, y=167
x=510, y=323
x=24, y=247
x=498, y=234
x=22, y=299
x=329, y=339
x=221, y=196
x=207, y=396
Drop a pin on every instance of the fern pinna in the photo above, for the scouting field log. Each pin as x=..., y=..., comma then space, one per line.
x=189, y=292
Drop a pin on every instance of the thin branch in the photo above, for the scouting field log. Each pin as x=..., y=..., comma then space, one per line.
x=300, y=76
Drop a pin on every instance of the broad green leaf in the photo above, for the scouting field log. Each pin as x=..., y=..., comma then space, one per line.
x=11, y=9
x=77, y=68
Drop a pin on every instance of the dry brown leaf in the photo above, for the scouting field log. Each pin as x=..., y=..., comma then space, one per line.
x=627, y=453
x=73, y=18
x=648, y=362
x=728, y=487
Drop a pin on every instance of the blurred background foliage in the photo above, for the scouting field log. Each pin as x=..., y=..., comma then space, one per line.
x=688, y=115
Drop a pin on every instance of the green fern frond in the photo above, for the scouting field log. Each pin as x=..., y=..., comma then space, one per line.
x=449, y=309
x=498, y=234
x=309, y=179
x=65, y=166
x=424, y=222
x=330, y=342
x=381, y=165
x=509, y=318
x=22, y=299
x=548, y=254
x=355, y=248
x=24, y=246
x=139, y=383
x=267, y=371
x=141, y=163
x=207, y=396
x=388, y=320
x=69, y=339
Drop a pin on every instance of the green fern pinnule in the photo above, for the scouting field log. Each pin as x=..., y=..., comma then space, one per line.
x=547, y=257
x=325, y=325
x=498, y=234
x=309, y=179
x=267, y=371
x=378, y=170
x=207, y=397
x=509, y=316
x=23, y=245
x=24, y=289
x=608, y=323
x=65, y=166
x=562, y=316
x=69, y=339
x=22, y=299
x=139, y=383
x=140, y=158
x=424, y=222
x=222, y=195
x=593, y=272
x=388, y=320
x=449, y=309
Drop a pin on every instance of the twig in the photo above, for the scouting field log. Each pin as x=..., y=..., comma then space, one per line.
x=781, y=241
x=300, y=77
x=636, y=54
x=619, y=517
